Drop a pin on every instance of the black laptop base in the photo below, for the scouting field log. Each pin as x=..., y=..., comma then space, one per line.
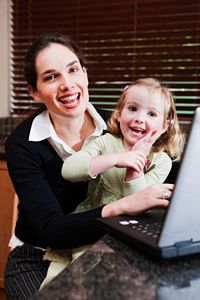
x=136, y=239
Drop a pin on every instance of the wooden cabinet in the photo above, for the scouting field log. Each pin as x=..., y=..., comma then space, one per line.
x=6, y=215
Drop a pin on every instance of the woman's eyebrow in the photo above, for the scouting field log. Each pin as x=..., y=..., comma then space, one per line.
x=53, y=70
x=72, y=63
x=47, y=72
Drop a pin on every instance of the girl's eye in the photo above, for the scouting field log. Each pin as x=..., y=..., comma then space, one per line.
x=132, y=108
x=152, y=114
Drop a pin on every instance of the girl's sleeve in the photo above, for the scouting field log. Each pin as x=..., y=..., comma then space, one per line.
x=76, y=167
x=158, y=172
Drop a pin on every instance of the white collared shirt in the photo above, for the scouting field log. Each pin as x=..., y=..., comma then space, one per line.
x=42, y=129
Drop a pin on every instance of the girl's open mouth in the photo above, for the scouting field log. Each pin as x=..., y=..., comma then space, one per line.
x=137, y=130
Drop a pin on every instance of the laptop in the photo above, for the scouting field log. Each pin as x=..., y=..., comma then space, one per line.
x=175, y=231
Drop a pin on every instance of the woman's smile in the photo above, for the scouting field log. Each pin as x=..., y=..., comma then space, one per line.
x=69, y=101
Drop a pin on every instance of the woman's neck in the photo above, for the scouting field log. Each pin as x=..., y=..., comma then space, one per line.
x=74, y=131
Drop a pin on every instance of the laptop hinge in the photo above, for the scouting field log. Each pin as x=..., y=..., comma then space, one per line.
x=183, y=243
x=182, y=247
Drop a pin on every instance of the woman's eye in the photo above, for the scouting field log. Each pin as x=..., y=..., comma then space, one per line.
x=50, y=77
x=74, y=70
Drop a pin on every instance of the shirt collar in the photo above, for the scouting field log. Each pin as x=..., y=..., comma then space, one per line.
x=42, y=127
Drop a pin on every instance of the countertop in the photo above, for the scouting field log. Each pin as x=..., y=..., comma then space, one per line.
x=111, y=270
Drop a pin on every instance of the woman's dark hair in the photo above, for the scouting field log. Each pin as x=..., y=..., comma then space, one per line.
x=42, y=42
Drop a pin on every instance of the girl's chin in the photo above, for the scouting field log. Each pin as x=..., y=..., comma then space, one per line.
x=132, y=141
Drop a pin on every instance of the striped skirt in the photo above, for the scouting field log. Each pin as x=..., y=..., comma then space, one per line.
x=24, y=272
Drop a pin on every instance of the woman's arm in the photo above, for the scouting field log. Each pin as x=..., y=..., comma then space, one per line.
x=139, y=202
x=46, y=199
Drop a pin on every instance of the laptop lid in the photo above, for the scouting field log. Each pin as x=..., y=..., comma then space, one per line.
x=182, y=221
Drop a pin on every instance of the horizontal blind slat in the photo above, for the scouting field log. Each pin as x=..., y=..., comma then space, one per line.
x=120, y=40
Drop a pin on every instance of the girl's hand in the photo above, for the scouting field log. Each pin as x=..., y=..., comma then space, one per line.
x=130, y=159
x=140, y=202
x=144, y=145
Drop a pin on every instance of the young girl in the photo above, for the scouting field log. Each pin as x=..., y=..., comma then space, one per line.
x=144, y=136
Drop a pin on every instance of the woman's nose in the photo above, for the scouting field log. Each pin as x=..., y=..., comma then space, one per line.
x=66, y=83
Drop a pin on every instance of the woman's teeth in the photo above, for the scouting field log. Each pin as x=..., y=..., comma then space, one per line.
x=69, y=99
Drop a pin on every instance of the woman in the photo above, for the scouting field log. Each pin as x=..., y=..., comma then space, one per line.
x=56, y=75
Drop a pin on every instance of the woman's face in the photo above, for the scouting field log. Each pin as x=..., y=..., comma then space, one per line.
x=62, y=84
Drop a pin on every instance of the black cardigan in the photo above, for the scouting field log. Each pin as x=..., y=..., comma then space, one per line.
x=46, y=199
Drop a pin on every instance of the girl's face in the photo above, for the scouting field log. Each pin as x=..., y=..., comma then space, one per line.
x=62, y=84
x=143, y=112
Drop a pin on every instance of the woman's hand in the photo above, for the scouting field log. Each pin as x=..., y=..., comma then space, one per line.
x=137, y=203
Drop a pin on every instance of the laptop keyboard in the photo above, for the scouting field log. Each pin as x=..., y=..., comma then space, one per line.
x=150, y=229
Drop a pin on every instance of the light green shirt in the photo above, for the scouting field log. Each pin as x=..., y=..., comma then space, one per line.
x=110, y=185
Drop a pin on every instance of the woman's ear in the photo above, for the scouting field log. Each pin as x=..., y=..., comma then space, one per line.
x=33, y=93
x=86, y=75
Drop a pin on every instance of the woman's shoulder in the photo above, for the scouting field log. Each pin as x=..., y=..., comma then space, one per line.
x=22, y=130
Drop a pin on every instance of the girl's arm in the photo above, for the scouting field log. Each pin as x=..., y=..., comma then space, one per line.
x=155, y=172
x=101, y=163
x=96, y=157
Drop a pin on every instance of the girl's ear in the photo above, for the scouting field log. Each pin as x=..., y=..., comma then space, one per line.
x=117, y=115
x=33, y=93
x=168, y=123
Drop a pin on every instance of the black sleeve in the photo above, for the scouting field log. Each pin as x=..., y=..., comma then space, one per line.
x=40, y=207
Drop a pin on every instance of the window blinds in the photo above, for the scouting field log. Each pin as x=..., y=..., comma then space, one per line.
x=121, y=41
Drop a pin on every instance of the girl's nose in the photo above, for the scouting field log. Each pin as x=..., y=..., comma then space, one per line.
x=139, y=121
x=139, y=118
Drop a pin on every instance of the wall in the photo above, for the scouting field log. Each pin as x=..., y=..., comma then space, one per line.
x=4, y=58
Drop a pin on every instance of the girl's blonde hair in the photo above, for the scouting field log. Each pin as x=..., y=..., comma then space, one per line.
x=172, y=141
